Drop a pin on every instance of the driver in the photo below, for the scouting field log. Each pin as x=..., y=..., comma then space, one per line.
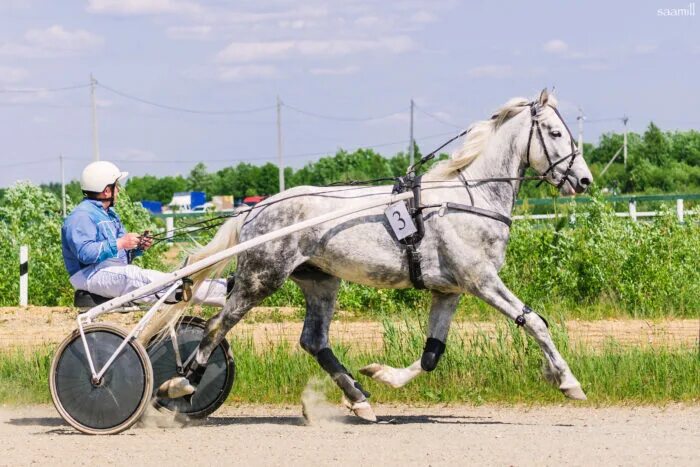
x=97, y=250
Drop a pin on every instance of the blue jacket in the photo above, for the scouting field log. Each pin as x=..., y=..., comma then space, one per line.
x=89, y=236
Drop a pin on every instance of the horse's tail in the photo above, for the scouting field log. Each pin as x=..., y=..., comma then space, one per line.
x=225, y=238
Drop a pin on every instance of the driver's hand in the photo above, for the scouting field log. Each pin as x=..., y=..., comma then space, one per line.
x=146, y=242
x=128, y=241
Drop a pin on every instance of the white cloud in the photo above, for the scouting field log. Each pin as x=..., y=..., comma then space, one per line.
x=247, y=72
x=346, y=70
x=295, y=24
x=60, y=39
x=555, y=46
x=256, y=51
x=397, y=117
x=491, y=71
x=11, y=75
x=189, y=32
x=142, y=7
x=423, y=17
x=55, y=41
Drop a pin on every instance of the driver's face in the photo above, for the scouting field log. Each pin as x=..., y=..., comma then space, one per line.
x=108, y=192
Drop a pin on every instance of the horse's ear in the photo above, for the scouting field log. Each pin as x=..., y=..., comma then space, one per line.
x=544, y=97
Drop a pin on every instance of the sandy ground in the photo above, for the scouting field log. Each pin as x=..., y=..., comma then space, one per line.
x=263, y=435
x=39, y=325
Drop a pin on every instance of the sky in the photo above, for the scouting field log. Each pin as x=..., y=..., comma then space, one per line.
x=344, y=70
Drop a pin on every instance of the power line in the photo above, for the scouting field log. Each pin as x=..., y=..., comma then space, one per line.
x=341, y=118
x=34, y=162
x=438, y=119
x=262, y=158
x=41, y=90
x=43, y=105
x=182, y=109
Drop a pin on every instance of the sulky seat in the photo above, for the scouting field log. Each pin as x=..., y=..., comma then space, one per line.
x=85, y=299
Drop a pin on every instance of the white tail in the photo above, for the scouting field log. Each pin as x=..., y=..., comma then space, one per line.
x=225, y=238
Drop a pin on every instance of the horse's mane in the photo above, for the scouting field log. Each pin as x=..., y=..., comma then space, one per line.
x=479, y=135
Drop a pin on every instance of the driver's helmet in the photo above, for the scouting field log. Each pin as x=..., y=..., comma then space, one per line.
x=100, y=174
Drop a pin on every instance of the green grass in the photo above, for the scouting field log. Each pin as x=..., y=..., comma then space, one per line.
x=504, y=368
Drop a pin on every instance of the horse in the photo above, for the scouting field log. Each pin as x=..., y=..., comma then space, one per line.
x=461, y=251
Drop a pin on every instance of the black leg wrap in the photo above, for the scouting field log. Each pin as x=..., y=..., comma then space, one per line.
x=520, y=320
x=432, y=352
x=329, y=363
x=195, y=371
x=352, y=389
x=230, y=282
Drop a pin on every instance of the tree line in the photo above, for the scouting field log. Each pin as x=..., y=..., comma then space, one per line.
x=658, y=161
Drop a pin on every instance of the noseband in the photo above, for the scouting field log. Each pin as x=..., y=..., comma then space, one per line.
x=570, y=157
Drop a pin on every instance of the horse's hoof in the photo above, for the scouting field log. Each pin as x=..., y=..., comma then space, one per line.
x=575, y=393
x=371, y=369
x=361, y=409
x=175, y=388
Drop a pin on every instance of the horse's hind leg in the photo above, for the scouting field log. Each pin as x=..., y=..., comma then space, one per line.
x=320, y=291
x=253, y=284
x=441, y=312
x=495, y=293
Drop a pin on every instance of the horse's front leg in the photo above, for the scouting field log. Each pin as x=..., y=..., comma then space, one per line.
x=493, y=291
x=441, y=313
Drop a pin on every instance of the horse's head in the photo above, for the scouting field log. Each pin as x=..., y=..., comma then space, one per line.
x=551, y=150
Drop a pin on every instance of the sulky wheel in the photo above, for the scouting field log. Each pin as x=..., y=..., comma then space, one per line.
x=111, y=404
x=216, y=382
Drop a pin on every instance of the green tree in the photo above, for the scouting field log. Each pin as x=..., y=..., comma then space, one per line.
x=199, y=179
x=656, y=147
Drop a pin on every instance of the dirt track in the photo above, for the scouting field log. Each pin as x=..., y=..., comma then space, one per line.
x=260, y=435
x=38, y=325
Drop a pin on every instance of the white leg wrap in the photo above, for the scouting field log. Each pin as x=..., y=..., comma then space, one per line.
x=394, y=377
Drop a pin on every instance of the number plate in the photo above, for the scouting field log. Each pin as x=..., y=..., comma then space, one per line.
x=400, y=220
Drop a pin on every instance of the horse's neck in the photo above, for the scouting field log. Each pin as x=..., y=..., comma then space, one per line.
x=501, y=158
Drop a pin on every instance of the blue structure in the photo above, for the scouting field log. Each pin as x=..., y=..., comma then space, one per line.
x=154, y=207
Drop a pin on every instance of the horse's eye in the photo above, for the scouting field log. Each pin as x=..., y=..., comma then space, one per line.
x=556, y=133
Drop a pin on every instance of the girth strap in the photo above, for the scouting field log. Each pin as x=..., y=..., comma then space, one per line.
x=413, y=183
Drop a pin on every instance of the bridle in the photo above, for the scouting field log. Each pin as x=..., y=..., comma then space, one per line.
x=535, y=125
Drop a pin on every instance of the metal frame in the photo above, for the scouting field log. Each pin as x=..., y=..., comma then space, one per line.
x=175, y=278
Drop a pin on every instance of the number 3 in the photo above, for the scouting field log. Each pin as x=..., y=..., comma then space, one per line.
x=397, y=216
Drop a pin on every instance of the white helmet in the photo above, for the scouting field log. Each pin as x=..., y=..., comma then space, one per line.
x=97, y=175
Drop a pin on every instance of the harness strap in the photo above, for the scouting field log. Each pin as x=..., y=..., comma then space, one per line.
x=414, y=208
x=472, y=210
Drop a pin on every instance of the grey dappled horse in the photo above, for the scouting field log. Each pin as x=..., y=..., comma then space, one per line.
x=461, y=252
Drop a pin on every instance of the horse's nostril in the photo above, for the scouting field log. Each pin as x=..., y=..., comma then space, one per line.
x=585, y=181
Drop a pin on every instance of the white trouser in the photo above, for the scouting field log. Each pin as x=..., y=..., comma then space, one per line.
x=113, y=279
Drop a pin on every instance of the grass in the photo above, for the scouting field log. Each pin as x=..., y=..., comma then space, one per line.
x=500, y=368
x=417, y=305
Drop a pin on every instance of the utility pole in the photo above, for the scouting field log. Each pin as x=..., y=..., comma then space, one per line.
x=95, y=142
x=63, y=185
x=280, y=162
x=580, y=130
x=625, y=119
x=411, y=149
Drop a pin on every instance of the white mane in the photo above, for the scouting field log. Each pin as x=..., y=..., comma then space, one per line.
x=479, y=135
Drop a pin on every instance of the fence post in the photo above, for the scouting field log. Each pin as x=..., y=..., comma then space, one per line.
x=679, y=210
x=633, y=210
x=169, y=227
x=23, y=275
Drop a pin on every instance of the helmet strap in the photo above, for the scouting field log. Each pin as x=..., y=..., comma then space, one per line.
x=93, y=195
x=113, y=186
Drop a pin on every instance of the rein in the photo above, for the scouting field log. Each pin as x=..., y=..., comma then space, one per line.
x=412, y=182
